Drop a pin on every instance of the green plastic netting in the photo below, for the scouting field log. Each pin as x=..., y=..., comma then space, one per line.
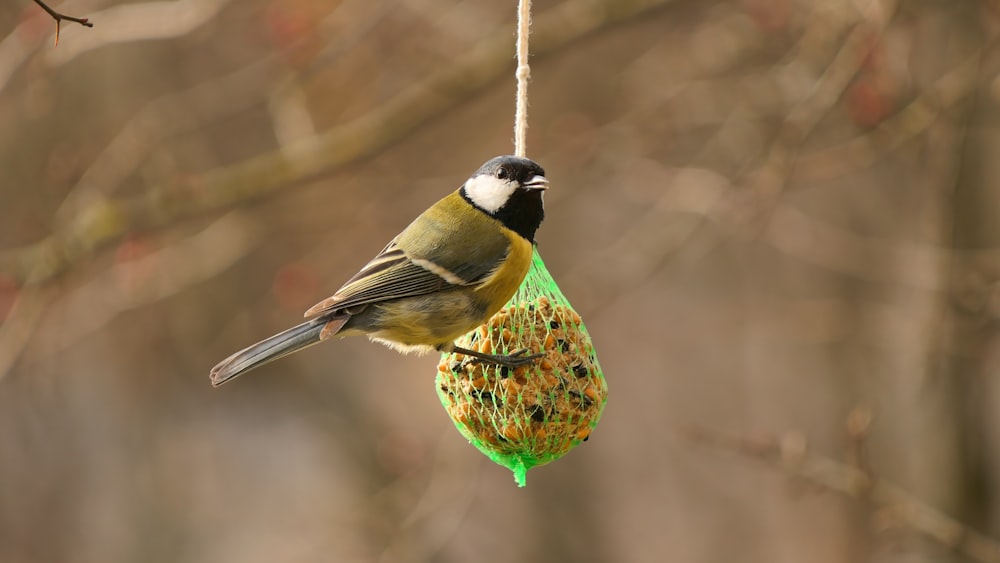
x=530, y=415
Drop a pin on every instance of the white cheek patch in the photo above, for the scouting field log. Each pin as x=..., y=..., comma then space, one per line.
x=489, y=193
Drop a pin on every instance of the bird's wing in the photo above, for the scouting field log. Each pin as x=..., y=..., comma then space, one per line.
x=394, y=274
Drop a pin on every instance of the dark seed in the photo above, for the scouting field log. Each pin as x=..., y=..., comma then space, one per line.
x=583, y=399
x=563, y=345
x=455, y=366
x=553, y=324
x=538, y=413
x=580, y=370
x=484, y=396
x=587, y=438
x=504, y=372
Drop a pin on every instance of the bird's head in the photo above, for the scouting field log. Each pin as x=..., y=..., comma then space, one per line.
x=509, y=188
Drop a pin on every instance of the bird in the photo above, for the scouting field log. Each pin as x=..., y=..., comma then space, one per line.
x=446, y=273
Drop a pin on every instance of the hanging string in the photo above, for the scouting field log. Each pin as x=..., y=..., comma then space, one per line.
x=523, y=73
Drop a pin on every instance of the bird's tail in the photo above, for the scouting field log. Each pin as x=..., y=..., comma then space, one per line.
x=277, y=346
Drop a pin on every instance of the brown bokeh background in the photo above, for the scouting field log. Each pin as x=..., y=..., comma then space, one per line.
x=776, y=216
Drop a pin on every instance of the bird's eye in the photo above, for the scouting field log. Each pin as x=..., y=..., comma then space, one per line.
x=502, y=173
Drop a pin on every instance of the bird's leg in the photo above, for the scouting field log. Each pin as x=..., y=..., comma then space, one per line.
x=512, y=360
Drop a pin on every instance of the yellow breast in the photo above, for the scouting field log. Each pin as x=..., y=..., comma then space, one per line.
x=503, y=282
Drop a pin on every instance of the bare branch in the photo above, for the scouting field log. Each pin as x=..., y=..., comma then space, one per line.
x=141, y=21
x=59, y=17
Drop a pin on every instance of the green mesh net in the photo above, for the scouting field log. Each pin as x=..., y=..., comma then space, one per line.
x=530, y=415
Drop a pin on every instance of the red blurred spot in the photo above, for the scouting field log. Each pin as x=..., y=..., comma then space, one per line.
x=291, y=27
x=8, y=294
x=296, y=286
x=869, y=101
x=132, y=248
x=285, y=26
x=132, y=273
x=769, y=15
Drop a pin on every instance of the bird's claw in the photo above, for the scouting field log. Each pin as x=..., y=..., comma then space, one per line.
x=512, y=360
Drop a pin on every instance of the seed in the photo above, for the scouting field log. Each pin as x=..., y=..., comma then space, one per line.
x=590, y=393
x=565, y=447
x=462, y=413
x=580, y=370
x=538, y=414
x=512, y=432
x=580, y=400
x=509, y=391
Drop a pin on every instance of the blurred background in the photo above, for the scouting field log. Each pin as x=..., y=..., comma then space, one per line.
x=780, y=220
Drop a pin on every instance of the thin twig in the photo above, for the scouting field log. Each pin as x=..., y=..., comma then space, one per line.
x=120, y=23
x=791, y=457
x=523, y=73
x=59, y=17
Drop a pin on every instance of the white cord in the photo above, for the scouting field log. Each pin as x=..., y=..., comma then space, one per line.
x=523, y=73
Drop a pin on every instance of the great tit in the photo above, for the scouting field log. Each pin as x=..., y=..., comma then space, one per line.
x=448, y=272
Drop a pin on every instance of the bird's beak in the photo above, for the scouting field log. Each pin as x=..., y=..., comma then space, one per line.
x=537, y=183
